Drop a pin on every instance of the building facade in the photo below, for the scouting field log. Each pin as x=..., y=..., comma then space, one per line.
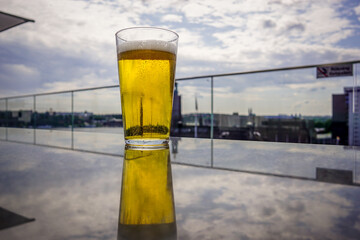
x=346, y=116
x=353, y=99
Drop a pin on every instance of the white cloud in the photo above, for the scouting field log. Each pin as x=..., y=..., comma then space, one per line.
x=229, y=208
x=86, y=81
x=22, y=71
x=194, y=10
x=357, y=11
x=17, y=76
x=72, y=27
x=172, y=18
x=84, y=28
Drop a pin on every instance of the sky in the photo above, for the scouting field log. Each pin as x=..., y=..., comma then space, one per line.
x=71, y=45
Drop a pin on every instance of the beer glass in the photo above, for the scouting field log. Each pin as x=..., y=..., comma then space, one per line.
x=147, y=208
x=146, y=64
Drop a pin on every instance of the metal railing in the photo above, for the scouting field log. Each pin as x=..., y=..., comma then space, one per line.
x=36, y=98
x=195, y=77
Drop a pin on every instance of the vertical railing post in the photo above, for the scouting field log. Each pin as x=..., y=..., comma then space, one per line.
x=212, y=121
x=212, y=108
x=355, y=91
x=6, y=119
x=72, y=119
x=212, y=153
x=34, y=124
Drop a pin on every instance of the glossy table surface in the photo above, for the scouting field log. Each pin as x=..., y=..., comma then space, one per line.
x=221, y=189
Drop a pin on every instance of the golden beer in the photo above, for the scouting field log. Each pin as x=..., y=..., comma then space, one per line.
x=147, y=193
x=146, y=84
x=146, y=64
x=147, y=204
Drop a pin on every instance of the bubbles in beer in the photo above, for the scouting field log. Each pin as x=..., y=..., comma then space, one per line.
x=146, y=74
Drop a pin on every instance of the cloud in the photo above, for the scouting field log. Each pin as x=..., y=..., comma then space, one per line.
x=296, y=27
x=196, y=10
x=43, y=192
x=269, y=24
x=15, y=76
x=172, y=18
x=225, y=212
x=22, y=70
x=357, y=11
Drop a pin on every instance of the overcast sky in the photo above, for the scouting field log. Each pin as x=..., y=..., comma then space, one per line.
x=71, y=45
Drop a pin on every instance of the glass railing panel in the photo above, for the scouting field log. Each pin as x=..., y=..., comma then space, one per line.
x=285, y=106
x=192, y=109
x=357, y=164
x=25, y=135
x=320, y=162
x=315, y=162
x=54, y=119
x=54, y=137
x=98, y=108
x=54, y=111
x=93, y=140
x=290, y=106
x=3, y=119
x=20, y=119
x=191, y=151
x=100, y=128
x=2, y=133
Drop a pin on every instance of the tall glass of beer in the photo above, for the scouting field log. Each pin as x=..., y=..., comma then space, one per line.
x=146, y=64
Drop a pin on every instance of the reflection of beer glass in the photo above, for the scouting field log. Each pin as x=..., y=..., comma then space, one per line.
x=146, y=62
x=147, y=203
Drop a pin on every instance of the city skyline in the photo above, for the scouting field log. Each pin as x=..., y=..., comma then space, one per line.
x=340, y=128
x=95, y=102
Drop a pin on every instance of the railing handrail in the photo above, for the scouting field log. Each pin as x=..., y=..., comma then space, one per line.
x=268, y=70
x=192, y=78
x=60, y=92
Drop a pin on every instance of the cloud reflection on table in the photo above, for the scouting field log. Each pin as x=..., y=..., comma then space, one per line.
x=245, y=190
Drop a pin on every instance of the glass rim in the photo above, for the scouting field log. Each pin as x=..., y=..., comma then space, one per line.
x=176, y=36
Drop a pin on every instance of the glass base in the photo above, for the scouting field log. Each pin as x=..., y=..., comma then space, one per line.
x=147, y=143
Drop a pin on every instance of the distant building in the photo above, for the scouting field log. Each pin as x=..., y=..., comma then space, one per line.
x=230, y=121
x=113, y=122
x=339, y=126
x=286, y=130
x=25, y=116
x=346, y=116
x=353, y=99
x=176, y=112
x=250, y=127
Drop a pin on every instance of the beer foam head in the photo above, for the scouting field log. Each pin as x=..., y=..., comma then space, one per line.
x=147, y=45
